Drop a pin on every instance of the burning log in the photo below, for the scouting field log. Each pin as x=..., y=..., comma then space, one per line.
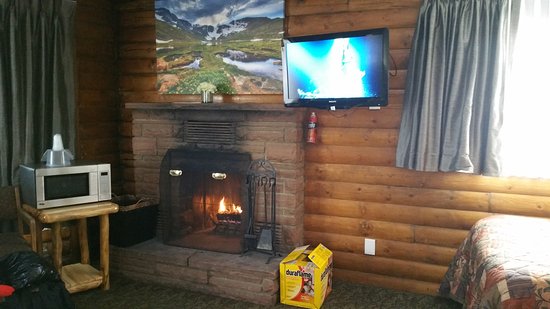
x=229, y=218
x=229, y=214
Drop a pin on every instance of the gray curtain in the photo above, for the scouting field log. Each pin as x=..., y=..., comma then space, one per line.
x=452, y=108
x=37, y=87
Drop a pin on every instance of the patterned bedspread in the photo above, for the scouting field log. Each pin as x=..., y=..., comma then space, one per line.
x=503, y=263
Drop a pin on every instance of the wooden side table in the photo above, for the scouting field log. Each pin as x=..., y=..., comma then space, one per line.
x=80, y=276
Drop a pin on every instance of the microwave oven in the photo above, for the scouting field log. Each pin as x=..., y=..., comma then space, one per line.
x=79, y=183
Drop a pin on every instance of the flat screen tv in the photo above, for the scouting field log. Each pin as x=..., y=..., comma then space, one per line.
x=336, y=70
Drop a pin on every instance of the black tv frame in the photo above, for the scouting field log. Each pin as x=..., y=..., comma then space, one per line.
x=345, y=102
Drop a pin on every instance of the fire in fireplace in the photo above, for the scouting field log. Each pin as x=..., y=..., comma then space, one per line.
x=204, y=199
x=228, y=219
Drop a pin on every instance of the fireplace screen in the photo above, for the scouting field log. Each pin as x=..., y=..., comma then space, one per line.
x=204, y=199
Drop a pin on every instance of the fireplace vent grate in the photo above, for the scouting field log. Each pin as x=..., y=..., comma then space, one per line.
x=207, y=132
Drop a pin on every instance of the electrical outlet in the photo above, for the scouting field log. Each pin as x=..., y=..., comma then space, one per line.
x=370, y=246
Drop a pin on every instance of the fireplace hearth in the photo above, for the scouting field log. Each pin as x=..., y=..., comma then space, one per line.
x=204, y=199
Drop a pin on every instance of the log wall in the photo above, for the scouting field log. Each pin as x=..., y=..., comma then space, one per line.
x=352, y=189
x=98, y=111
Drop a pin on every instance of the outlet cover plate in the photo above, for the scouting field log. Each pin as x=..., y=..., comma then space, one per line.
x=370, y=246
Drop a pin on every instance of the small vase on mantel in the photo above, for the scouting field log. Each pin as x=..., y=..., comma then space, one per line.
x=207, y=97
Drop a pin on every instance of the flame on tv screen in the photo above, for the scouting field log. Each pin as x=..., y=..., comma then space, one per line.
x=336, y=70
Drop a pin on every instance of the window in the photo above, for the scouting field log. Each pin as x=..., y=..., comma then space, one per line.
x=526, y=113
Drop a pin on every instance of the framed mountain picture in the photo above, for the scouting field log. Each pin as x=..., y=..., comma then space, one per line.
x=233, y=44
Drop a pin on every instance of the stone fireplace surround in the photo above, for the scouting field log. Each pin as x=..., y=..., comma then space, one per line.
x=263, y=130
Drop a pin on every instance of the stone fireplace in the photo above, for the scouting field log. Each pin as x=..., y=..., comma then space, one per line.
x=262, y=132
x=259, y=131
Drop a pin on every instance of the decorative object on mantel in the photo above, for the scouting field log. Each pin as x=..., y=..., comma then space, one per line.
x=207, y=90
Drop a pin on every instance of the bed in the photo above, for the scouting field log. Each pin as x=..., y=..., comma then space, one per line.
x=503, y=263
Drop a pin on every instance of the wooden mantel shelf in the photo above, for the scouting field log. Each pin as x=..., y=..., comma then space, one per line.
x=252, y=107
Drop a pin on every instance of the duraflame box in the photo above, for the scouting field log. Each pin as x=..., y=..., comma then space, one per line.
x=306, y=277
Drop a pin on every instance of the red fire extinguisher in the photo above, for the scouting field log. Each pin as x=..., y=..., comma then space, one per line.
x=312, y=129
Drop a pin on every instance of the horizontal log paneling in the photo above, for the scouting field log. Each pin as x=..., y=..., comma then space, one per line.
x=135, y=5
x=395, y=100
x=143, y=50
x=310, y=7
x=139, y=82
x=349, y=154
x=96, y=32
x=439, y=236
x=96, y=14
x=451, y=218
x=96, y=80
x=98, y=147
x=408, y=178
x=138, y=65
x=90, y=48
x=401, y=38
x=385, y=118
x=359, y=227
x=96, y=95
x=397, y=78
x=389, y=282
x=445, y=199
x=358, y=137
x=335, y=22
x=536, y=206
x=141, y=34
x=399, y=59
x=101, y=131
x=384, y=248
x=389, y=267
x=137, y=18
x=95, y=65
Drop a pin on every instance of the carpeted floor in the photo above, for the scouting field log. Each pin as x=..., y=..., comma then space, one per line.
x=128, y=293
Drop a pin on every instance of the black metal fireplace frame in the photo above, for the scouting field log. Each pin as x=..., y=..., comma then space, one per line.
x=177, y=162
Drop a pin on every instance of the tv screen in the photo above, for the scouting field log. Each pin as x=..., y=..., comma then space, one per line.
x=336, y=70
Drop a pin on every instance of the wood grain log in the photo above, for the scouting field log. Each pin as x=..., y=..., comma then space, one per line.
x=446, y=199
x=310, y=7
x=385, y=118
x=389, y=267
x=527, y=205
x=384, y=248
x=138, y=34
x=351, y=20
x=393, y=176
x=359, y=227
x=448, y=218
x=360, y=155
x=397, y=283
x=135, y=18
x=140, y=50
x=439, y=236
x=358, y=137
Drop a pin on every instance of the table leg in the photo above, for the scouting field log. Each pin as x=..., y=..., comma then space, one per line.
x=38, y=237
x=57, y=246
x=83, y=240
x=104, y=249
